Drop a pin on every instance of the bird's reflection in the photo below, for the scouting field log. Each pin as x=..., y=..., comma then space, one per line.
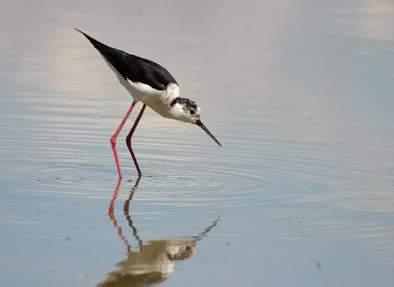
x=152, y=262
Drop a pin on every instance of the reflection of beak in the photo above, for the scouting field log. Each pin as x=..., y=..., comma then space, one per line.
x=199, y=123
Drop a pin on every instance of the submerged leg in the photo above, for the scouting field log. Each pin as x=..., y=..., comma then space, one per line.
x=128, y=139
x=115, y=135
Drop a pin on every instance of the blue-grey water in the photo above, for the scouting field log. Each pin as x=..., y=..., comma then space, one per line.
x=301, y=95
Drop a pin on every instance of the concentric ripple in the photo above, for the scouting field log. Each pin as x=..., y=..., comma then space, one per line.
x=59, y=143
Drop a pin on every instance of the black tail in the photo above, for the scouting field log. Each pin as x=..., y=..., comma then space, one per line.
x=131, y=67
x=102, y=48
x=114, y=56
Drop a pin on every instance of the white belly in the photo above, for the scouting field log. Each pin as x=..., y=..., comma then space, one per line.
x=157, y=100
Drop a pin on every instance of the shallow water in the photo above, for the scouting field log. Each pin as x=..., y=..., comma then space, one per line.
x=299, y=93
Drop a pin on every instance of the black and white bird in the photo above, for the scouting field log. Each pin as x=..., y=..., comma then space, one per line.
x=151, y=84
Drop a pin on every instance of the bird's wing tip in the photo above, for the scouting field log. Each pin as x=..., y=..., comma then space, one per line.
x=92, y=40
x=78, y=30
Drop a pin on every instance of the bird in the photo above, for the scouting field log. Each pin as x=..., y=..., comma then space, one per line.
x=153, y=86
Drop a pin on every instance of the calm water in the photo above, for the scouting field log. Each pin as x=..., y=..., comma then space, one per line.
x=300, y=93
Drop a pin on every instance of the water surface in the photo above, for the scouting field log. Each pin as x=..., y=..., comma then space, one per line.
x=299, y=93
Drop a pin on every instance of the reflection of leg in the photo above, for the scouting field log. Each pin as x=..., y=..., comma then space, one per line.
x=115, y=135
x=126, y=211
x=111, y=215
x=128, y=139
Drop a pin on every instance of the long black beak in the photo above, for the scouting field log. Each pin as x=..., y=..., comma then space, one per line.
x=199, y=123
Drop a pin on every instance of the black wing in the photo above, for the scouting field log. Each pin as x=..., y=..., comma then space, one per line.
x=134, y=68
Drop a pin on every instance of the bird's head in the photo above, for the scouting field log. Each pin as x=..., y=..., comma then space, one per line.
x=188, y=111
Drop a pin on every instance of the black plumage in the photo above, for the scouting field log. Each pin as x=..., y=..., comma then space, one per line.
x=134, y=68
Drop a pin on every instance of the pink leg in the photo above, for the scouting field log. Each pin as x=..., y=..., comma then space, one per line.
x=128, y=139
x=115, y=135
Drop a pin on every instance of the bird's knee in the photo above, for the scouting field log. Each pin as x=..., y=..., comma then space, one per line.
x=128, y=142
x=112, y=141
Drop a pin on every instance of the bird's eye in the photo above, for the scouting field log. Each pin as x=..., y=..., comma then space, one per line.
x=192, y=112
